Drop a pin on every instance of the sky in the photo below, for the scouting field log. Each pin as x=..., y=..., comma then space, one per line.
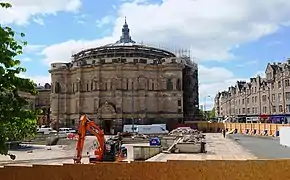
x=230, y=40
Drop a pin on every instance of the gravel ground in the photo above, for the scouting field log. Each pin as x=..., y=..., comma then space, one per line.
x=262, y=147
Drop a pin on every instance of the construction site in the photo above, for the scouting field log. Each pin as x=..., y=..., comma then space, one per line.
x=178, y=154
x=181, y=143
x=107, y=89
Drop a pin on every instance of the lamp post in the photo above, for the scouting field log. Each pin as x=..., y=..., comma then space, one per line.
x=58, y=90
x=133, y=104
x=204, y=106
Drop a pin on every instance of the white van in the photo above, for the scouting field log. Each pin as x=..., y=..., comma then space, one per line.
x=45, y=130
x=146, y=129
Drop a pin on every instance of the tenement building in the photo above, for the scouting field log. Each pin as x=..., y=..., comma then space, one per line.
x=258, y=97
x=42, y=102
x=123, y=83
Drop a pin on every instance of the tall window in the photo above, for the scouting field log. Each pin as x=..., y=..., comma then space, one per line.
x=169, y=85
x=273, y=97
x=274, y=109
x=178, y=85
x=264, y=98
x=57, y=87
x=280, y=97
x=287, y=83
x=287, y=107
x=92, y=85
x=280, y=108
x=279, y=84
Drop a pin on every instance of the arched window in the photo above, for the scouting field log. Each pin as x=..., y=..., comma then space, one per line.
x=178, y=85
x=169, y=85
x=127, y=84
x=57, y=87
x=92, y=85
x=73, y=87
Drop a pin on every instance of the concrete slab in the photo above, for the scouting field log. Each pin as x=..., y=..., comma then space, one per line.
x=130, y=150
x=218, y=148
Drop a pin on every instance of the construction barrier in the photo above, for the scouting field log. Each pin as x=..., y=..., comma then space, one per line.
x=173, y=170
x=255, y=129
x=244, y=128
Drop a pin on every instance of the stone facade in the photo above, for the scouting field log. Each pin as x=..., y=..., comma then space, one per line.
x=116, y=83
x=259, y=96
x=42, y=102
x=29, y=98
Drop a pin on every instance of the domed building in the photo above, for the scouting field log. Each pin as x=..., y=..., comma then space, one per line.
x=124, y=83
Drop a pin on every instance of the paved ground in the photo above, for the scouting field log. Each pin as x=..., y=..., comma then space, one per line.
x=218, y=148
x=236, y=147
x=261, y=147
x=42, y=154
x=55, y=155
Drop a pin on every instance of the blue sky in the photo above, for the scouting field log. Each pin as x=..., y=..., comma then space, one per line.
x=230, y=41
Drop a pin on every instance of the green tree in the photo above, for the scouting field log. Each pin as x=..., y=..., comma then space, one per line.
x=201, y=112
x=212, y=113
x=16, y=121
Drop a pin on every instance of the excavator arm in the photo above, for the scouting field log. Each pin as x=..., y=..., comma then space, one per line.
x=87, y=125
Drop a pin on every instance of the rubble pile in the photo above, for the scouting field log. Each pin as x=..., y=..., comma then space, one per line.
x=188, y=135
x=191, y=139
x=184, y=131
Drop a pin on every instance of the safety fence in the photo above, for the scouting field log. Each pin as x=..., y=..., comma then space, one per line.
x=255, y=129
x=245, y=128
x=179, y=170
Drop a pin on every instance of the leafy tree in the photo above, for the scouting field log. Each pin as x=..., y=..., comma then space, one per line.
x=212, y=113
x=16, y=121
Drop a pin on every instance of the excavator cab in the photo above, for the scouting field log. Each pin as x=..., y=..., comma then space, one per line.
x=112, y=150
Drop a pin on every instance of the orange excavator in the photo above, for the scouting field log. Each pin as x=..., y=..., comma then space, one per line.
x=110, y=150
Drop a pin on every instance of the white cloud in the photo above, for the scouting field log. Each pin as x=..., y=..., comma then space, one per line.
x=30, y=48
x=214, y=74
x=105, y=21
x=211, y=89
x=247, y=63
x=211, y=28
x=80, y=19
x=26, y=59
x=63, y=51
x=261, y=73
x=37, y=79
x=23, y=10
x=273, y=43
x=38, y=21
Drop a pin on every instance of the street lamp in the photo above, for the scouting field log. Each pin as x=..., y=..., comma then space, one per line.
x=133, y=106
x=58, y=91
x=204, y=105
